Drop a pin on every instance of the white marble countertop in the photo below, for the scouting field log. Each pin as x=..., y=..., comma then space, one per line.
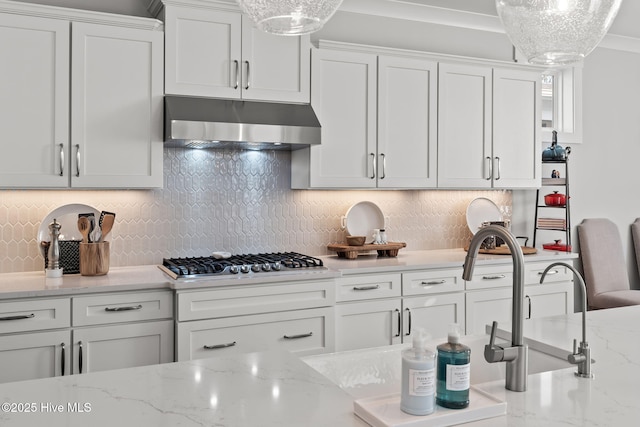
x=278, y=389
x=145, y=277
x=553, y=398
x=417, y=260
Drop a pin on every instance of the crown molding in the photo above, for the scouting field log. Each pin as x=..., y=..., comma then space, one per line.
x=412, y=11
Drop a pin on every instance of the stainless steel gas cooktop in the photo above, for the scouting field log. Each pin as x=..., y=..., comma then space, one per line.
x=247, y=264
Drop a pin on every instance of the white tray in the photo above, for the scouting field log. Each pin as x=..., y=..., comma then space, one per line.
x=384, y=411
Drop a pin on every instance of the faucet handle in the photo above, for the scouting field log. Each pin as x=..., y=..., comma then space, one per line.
x=492, y=352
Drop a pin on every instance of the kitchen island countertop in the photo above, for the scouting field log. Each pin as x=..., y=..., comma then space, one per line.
x=278, y=389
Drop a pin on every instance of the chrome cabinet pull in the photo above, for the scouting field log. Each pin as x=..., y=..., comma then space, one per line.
x=62, y=356
x=496, y=277
x=373, y=165
x=295, y=337
x=384, y=165
x=488, y=178
x=366, y=288
x=409, y=311
x=399, y=321
x=61, y=159
x=237, y=65
x=128, y=308
x=434, y=282
x=248, y=75
x=22, y=316
x=540, y=273
x=218, y=346
x=498, y=159
x=77, y=159
x=80, y=357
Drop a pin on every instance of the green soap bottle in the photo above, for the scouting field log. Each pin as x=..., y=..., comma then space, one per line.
x=453, y=372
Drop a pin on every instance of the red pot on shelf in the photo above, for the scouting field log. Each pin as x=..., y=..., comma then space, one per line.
x=555, y=199
x=557, y=246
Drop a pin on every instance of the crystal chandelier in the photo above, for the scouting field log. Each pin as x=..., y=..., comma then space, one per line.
x=556, y=32
x=289, y=17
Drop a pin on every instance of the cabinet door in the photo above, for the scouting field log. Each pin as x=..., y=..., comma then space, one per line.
x=275, y=68
x=548, y=300
x=343, y=95
x=302, y=332
x=203, y=52
x=34, y=101
x=116, y=110
x=368, y=324
x=483, y=307
x=434, y=313
x=407, y=123
x=101, y=348
x=34, y=355
x=464, y=126
x=517, y=100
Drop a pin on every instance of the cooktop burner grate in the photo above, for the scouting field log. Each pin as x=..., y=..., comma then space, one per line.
x=239, y=264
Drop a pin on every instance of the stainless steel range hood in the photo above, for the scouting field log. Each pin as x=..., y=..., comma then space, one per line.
x=210, y=123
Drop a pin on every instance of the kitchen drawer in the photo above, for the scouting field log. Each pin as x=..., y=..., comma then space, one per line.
x=122, y=307
x=533, y=273
x=302, y=332
x=210, y=304
x=34, y=315
x=432, y=282
x=494, y=276
x=369, y=286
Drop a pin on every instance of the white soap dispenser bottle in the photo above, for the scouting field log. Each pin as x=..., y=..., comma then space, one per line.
x=418, y=377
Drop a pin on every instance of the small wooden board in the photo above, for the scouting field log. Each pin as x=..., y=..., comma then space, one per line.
x=504, y=250
x=351, y=252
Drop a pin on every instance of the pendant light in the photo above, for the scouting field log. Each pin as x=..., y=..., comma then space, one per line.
x=289, y=17
x=556, y=32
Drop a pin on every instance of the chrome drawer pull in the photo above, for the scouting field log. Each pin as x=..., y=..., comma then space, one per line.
x=434, y=282
x=62, y=358
x=294, y=337
x=540, y=273
x=496, y=277
x=61, y=159
x=24, y=316
x=218, y=346
x=366, y=288
x=133, y=307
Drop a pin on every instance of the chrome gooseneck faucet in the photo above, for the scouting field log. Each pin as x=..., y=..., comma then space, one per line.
x=581, y=356
x=517, y=354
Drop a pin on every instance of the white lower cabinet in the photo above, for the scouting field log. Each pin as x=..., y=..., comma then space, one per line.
x=294, y=316
x=122, y=330
x=102, y=348
x=302, y=332
x=34, y=355
x=426, y=299
x=489, y=295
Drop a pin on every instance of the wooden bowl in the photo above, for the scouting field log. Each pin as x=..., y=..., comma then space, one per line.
x=356, y=240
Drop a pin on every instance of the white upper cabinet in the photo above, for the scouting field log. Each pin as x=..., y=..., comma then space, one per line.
x=34, y=101
x=378, y=116
x=116, y=107
x=343, y=91
x=489, y=127
x=407, y=122
x=217, y=53
x=81, y=102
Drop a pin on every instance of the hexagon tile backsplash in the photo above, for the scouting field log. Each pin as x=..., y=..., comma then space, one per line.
x=235, y=201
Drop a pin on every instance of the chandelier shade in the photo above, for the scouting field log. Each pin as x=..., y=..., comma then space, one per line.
x=556, y=32
x=289, y=17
